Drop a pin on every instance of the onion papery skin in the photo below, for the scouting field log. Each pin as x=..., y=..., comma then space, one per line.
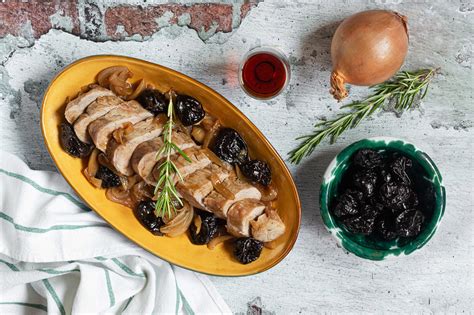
x=367, y=48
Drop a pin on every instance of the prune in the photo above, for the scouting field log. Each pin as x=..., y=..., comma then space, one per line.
x=257, y=171
x=367, y=158
x=207, y=231
x=109, y=178
x=379, y=193
x=145, y=213
x=385, y=228
x=189, y=110
x=71, y=143
x=386, y=176
x=408, y=223
x=348, y=203
x=230, y=147
x=366, y=180
x=363, y=224
x=247, y=249
x=153, y=101
x=398, y=168
x=396, y=196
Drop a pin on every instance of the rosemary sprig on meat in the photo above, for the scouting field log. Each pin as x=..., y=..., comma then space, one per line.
x=404, y=88
x=165, y=191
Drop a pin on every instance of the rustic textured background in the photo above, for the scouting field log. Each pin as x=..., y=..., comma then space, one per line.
x=206, y=41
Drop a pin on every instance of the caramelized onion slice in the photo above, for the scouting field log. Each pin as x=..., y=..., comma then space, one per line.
x=211, y=134
x=179, y=224
x=104, y=75
x=269, y=192
x=138, y=90
x=217, y=240
x=120, y=195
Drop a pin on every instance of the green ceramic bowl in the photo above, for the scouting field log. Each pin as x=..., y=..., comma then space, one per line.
x=361, y=245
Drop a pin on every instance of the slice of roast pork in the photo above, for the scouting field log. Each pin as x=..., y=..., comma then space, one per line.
x=101, y=106
x=101, y=129
x=119, y=154
x=199, y=160
x=144, y=157
x=77, y=106
x=195, y=187
x=219, y=202
x=240, y=215
x=267, y=227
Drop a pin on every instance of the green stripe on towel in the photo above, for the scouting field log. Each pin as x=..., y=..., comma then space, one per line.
x=186, y=305
x=38, y=306
x=128, y=303
x=55, y=296
x=109, y=288
x=10, y=265
x=45, y=190
x=20, y=227
x=126, y=268
x=58, y=272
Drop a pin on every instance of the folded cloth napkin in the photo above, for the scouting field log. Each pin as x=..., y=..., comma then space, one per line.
x=58, y=256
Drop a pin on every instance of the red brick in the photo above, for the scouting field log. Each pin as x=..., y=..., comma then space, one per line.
x=14, y=15
x=141, y=20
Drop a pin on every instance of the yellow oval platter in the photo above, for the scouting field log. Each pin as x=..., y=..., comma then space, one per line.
x=179, y=251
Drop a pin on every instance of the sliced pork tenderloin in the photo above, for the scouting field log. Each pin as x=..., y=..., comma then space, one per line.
x=199, y=160
x=101, y=106
x=267, y=227
x=144, y=157
x=241, y=214
x=119, y=154
x=101, y=129
x=219, y=204
x=195, y=187
x=77, y=106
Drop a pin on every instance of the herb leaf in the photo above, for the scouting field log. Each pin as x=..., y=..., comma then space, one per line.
x=403, y=88
x=165, y=191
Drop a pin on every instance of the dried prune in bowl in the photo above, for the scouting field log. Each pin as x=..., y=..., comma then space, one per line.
x=348, y=203
x=230, y=147
x=396, y=200
x=145, y=213
x=206, y=231
x=397, y=195
x=247, y=249
x=409, y=223
x=366, y=181
x=367, y=158
x=189, y=110
x=153, y=101
x=399, y=167
x=257, y=171
x=71, y=143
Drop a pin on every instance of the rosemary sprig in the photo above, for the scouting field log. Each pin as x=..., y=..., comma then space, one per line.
x=165, y=189
x=403, y=89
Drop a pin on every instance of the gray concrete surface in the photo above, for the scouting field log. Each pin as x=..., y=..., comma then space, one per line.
x=317, y=276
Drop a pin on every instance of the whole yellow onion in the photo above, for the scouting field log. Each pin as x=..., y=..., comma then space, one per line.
x=367, y=48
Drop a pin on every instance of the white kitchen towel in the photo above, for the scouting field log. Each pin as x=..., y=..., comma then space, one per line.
x=58, y=256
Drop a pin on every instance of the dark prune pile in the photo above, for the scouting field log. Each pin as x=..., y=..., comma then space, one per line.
x=71, y=143
x=207, y=231
x=257, y=171
x=145, y=213
x=247, y=249
x=189, y=110
x=230, y=147
x=153, y=101
x=109, y=178
x=383, y=195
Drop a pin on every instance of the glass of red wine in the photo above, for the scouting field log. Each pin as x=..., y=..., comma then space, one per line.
x=264, y=73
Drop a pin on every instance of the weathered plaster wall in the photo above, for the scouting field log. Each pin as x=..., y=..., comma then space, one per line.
x=317, y=276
